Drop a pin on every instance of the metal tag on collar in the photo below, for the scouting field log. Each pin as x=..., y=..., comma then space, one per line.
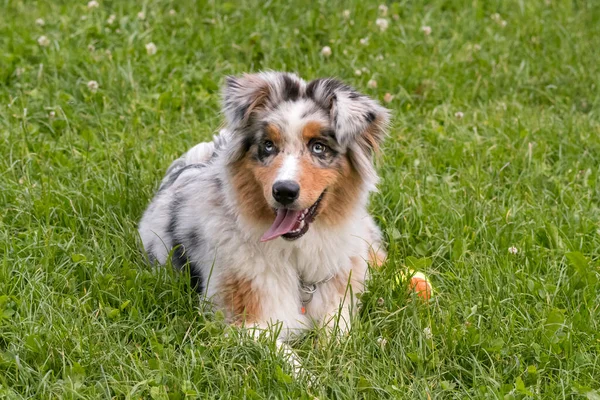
x=307, y=292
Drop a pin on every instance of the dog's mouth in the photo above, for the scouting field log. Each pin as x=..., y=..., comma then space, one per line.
x=292, y=224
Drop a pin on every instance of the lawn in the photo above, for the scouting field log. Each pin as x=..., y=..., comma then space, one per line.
x=489, y=184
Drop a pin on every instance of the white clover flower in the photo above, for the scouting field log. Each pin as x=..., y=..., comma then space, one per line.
x=382, y=23
x=372, y=84
x=326, y=51
x=381, y=341
x=111, y=19
x=383, y=9
x=40, y=22
x=459, y=115
x=172, y=12
x=91, y=47
x=364, y=41
x=426, y=30
x=427, y=333
x=52, y=115
x=358, y=72
x=92, y=4
x=513, y=250
x=141, y=15
x=498, y=19
x=93, y=86
x=346, y=14
x=379, y=57
x=388, y=97
x=151, y=48
x=43, y=41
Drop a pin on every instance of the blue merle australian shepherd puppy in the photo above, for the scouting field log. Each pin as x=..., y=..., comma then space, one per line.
x=271, y=216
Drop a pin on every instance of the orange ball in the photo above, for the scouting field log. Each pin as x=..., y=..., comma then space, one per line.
x=421, y=286
x=419, y=283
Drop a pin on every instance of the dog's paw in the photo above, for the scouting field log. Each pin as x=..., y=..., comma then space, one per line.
x=299, y=371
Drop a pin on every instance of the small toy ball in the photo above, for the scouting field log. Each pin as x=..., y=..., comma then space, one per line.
x=419, y=283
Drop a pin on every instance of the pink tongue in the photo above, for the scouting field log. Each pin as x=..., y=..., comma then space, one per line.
x=284, y=222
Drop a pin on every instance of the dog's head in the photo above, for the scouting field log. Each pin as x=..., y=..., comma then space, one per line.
x=300, y=151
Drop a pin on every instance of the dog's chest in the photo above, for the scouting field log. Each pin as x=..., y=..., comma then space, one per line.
x=318, y=265
x=320, y=258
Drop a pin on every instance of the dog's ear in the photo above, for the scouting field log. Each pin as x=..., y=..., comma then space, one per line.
x=243, y=96
x=247, y=95
x=355, y=116
x=360, y=123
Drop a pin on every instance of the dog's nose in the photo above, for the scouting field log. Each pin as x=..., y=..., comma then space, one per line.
x=286, y=192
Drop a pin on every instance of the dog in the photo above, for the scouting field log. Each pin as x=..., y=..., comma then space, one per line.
x=271, y=216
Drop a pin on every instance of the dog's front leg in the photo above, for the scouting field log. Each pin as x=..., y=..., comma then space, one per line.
x=339, y=296
x=337, y=301
x=339, y=308
x=264, y=313
x=263, y=330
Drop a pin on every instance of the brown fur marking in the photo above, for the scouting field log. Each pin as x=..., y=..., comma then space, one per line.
x=341, y=195
x=314, y=180
x=311, y=130
x=240, y=299
x=342, y=182
x=265, y=176
x=251, y=182
x=274, y=134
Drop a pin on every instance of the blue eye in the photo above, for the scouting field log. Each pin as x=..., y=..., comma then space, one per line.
x=269, y=146
x=318, y=148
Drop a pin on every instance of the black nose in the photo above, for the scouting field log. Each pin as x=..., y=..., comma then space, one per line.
x=286, y=192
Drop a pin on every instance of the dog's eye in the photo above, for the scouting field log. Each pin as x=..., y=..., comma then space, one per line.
x=269, y=146
x=318, y=148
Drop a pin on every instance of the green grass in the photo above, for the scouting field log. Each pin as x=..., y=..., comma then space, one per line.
x=83, y=316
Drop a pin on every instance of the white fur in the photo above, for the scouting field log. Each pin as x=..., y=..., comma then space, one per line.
x=289, y=169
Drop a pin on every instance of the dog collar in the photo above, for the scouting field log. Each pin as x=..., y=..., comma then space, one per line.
x=307, y=290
